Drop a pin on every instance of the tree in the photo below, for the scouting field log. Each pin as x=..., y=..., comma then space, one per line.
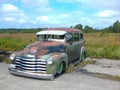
x=79, y=26
x=88, y=29
x=116, y=27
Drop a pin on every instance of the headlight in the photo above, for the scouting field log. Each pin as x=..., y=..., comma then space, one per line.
x=12, y=56
x=12, y=66
x=50, y=61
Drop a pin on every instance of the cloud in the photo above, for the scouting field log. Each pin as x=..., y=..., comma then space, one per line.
x=11, y=13
x=10, y=19
x=53, y=19
x=43, y=18
x=9, y=8
x=48, y=19
x=63, y=15
x=107, y=13
x=40, y=5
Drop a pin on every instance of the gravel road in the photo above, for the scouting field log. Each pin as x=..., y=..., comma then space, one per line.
x=104, y=66
x=67, y=81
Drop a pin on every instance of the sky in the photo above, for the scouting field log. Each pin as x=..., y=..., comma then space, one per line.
x=58, y=13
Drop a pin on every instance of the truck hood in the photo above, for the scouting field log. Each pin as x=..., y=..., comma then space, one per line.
x=42, y=48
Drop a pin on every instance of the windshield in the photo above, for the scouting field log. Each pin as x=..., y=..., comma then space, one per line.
x=50, y=37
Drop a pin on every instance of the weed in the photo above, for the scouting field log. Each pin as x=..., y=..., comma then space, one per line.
x=5, y=59
x=70, y=68
x=81, y=64
x=1, y=58
x=110, y=77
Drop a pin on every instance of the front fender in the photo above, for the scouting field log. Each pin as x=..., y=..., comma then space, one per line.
x=61, y=57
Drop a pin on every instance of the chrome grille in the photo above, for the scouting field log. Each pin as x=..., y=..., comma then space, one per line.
x=30, y=64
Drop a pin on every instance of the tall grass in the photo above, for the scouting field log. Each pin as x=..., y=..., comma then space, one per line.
x=103, y=45
x=15, y=42
x=98, y=45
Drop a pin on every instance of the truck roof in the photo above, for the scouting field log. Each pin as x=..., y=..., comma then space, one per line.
x=58, y=31
x=65, y=29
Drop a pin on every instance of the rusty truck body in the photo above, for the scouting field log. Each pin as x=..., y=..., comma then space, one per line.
x=51, y=54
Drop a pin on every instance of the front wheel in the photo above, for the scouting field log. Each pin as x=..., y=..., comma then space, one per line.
x=60, y=68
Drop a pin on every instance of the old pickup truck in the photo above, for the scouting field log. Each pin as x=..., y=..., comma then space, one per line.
x=51, y=54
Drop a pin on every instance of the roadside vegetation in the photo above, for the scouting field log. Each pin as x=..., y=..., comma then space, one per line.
x=98, y=45
x=110, y=77
x=103, y=43
x=79, y=65
x=14, y=42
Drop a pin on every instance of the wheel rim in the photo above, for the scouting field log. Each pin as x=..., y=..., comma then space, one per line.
x=60, y=68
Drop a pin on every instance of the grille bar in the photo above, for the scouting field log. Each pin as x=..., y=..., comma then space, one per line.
x=28, y=64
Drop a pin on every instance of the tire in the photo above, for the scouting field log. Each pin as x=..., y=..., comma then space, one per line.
x=83, y=56
x=60, y=68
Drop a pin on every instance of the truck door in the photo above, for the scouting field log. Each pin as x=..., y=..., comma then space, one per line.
x=70, y=49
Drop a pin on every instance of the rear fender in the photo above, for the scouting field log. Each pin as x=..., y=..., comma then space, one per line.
x=83, y=49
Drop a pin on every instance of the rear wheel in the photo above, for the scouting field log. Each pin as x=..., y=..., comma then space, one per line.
x=83, y=56
x=60, y=68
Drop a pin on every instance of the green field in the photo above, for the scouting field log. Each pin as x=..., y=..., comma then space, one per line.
x=14, y=42
x=98, y=45
x=103, y=45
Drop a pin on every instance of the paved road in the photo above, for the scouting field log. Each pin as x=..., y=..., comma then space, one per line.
x=71, y=81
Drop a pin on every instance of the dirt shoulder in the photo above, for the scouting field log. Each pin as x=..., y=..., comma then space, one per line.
x=104, y=66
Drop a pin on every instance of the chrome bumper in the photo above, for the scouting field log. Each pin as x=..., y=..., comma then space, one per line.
x=30, y=74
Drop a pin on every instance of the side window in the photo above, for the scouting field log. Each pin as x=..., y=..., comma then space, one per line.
x=69, y=37
x=40, y=37
x=76, y=36
x=56, y=37
x=81, y=36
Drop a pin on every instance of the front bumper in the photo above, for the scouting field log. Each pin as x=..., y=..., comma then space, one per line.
x=30, y=74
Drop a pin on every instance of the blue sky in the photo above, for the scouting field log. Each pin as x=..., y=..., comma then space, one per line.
x=58, y=13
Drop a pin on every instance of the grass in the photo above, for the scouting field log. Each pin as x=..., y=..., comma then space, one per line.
x=98, y=45
x=79, y=65
x=103, y=45
x=110, y=77
x=14, y=42
x=5, y=59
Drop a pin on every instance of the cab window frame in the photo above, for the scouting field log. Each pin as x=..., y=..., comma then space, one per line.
x=76, y=37
x=68, y=38
x=81, y=37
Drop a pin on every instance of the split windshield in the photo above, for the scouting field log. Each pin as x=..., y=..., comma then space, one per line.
x=50, y=37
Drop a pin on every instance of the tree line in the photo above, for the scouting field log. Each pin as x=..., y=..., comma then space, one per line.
x=15, y=30
x=115, y=28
